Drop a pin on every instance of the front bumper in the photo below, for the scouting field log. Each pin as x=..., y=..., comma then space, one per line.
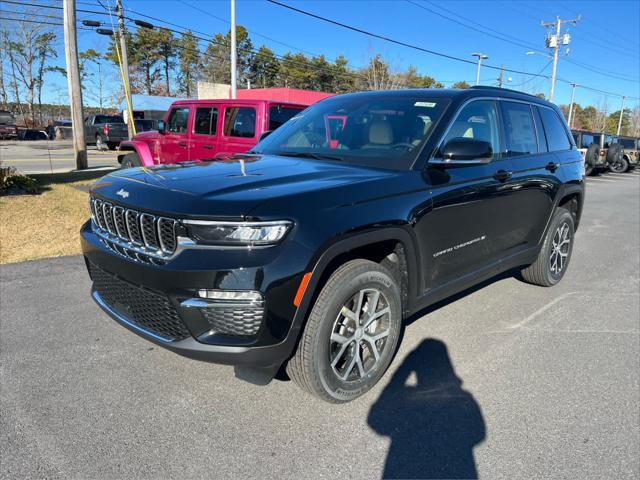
x=175, y=285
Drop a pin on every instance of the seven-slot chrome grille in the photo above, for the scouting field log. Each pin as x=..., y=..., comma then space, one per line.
x=137, y=235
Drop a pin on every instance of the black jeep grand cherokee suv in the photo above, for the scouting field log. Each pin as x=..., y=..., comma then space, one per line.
x=311, y=249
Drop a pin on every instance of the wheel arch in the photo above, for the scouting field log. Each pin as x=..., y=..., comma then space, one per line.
x=572, y=199
x=141, y=148
x=392, y=247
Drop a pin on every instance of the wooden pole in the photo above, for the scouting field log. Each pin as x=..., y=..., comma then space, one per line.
x=75, y=89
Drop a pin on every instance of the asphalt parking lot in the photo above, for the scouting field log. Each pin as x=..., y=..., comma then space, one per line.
x=43, y=156
x=505, y=381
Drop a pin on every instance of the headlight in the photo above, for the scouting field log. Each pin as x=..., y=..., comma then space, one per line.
x=240, y=233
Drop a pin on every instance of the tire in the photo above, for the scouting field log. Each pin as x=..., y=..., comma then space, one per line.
x=112, y=146
x=541, y=272
x=620, y=166
x=100, y=145
x=332, y=347
x=591, y=158
x=130, y=160
x=615, y=153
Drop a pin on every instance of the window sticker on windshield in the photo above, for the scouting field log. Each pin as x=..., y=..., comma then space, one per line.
x=425, y=104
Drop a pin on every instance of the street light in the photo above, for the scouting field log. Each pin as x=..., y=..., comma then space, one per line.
x=539, y=53
x=481, y=56
x=105, y=31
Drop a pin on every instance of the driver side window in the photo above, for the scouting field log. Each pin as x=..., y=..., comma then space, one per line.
x=477, y=120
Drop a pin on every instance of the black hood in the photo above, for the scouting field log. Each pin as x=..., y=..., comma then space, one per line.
x=228, y=188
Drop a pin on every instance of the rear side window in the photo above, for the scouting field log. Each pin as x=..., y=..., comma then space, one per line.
x=626, y=142
x=206, y=120
x=177, y=121
x=542, y=139
x=240, y=122
x=520, y=131
x=557, y=138
x=279, y=115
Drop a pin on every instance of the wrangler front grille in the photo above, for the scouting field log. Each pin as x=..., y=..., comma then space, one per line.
x=140, y=235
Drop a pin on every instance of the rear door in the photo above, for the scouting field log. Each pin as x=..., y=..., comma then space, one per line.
x=174, y=146
x=204, y=134
x=535, y=181
x=239, y=129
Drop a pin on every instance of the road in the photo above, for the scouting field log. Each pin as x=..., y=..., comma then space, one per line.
x=506, y=381
x=44, y=156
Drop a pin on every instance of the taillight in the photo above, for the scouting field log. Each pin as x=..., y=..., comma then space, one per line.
x=602, y=152
x=105, y=129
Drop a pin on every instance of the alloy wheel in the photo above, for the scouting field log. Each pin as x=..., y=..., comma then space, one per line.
x=560, y=247
x=359, y=335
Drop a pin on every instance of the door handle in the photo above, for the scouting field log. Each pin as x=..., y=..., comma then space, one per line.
x=552, y=166
x=502, y=175
x=208, y=147
x=182, y=143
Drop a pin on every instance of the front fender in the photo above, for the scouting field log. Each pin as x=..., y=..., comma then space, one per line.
x=142, y=149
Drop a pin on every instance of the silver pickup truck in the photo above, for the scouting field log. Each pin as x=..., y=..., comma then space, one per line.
x=105, y=131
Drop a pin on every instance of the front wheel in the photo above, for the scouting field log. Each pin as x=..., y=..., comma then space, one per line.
x=555, y=254
x=351, y=334
x=130, y=160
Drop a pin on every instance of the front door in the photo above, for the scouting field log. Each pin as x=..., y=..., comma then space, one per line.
x=174, y=146
x=467, y=228
x=204, y=138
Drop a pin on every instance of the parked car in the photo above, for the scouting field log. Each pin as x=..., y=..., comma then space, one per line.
x=59, y=129
x=8, y=128
x=631, y=151
x=105, y=131
x=31, y=134
x=308, y=253
x=206, y=129
x=600, y=151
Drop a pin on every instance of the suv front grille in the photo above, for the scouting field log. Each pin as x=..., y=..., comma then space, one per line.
x=148, y=310
x=137, y=235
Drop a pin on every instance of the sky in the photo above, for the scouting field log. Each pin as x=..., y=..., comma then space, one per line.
x=606, y=39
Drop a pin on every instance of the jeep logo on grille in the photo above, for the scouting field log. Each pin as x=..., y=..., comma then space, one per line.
x=123, y=193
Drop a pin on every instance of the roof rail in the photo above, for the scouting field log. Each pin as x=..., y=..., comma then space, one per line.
x=487, y=87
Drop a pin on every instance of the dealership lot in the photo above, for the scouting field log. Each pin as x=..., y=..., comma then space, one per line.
x=505, y=381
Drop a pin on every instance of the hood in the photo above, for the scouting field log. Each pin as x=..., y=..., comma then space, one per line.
x=228, y=188
x=148, y=136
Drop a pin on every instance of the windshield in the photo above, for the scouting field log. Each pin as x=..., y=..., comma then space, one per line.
x=375, y=131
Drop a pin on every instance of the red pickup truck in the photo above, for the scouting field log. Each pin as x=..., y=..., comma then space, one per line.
x=206, y=129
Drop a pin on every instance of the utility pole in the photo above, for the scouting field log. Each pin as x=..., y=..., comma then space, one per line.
x=481, y=56
x=234, y=56
x=73, y=79
x=554, y=42
x=125, y=68
x=500, y=77
x=620, y=119
x=573, y=94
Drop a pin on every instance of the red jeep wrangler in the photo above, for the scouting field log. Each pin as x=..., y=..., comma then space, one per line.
x=206, y=129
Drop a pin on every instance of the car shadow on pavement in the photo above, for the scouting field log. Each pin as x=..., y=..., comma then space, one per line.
x=433, y=423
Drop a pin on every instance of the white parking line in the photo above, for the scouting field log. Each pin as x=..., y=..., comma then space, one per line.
x=541, y=310
x=598, y=180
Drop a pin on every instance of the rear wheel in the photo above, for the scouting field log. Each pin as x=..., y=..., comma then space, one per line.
x=100, y=145
x=555, y=254
x=351, y=334
x=620, y=166
x=131, y=160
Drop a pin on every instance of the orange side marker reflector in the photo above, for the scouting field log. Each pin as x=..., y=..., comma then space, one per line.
x=301, y=289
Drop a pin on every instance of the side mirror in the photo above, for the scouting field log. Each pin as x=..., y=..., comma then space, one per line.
x=464, y=151
x=161, y=127
x=264, y=135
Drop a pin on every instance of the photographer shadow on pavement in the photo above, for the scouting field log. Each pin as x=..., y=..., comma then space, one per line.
x=434, y=424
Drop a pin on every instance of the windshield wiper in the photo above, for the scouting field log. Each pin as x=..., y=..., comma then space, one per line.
x=316, y=156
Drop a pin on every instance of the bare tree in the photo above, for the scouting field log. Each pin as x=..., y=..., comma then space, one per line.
x=634, y=121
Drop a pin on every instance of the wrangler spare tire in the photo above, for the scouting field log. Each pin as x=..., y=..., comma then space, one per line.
x=591, y=158
x=615, y=153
